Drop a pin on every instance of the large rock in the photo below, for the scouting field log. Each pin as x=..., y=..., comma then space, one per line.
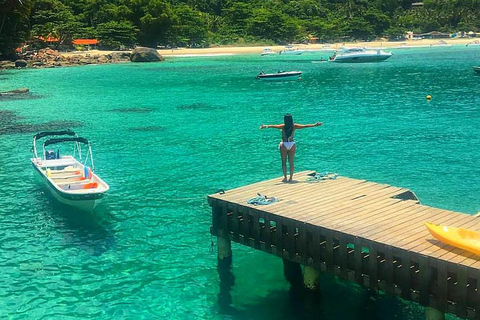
x=142, y=54
x=20, y=63
x=16, y=91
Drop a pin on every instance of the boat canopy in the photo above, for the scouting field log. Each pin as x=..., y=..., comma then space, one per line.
x=54, y=133
x=59, y=140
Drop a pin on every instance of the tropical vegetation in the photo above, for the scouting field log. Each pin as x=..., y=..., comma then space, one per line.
x=200, y=23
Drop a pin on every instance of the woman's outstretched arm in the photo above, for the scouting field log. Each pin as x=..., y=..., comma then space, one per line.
x=276, y=126
x=303, y=126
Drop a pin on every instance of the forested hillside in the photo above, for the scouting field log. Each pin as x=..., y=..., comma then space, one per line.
x=200, y=23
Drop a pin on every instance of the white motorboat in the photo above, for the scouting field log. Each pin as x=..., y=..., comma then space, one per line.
x=280, y=75
x=69, y=179
x=476, y=69
x=290, y=50
x=268, y=52
x=359, y=55
x=473, y=43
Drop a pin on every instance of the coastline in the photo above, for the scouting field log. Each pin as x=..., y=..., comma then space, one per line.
x=230, y=50
x=236, y=50
x=48, y=58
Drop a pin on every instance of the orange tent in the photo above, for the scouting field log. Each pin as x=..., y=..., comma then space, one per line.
x=85, y=41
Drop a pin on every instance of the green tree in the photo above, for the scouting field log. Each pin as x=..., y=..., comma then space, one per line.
x=14, y=27
x=273, y=25
x=51, y=18
x=156, y=23
x=117, y=34
x=190, y=28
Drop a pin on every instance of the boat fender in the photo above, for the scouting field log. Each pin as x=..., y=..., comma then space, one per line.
x=49, y=173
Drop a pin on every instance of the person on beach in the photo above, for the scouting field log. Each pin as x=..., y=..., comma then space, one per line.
x=287, y=145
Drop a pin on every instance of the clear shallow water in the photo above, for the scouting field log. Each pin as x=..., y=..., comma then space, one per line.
x=165, y=135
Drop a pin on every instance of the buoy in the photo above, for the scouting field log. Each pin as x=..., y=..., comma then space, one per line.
x=429, y=97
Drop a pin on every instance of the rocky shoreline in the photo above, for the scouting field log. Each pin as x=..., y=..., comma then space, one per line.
x=49, y=58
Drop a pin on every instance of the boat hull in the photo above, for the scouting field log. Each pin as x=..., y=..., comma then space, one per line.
x=280, y=76
x=465, y=239
x=360, y=59
x=85, y=201
x=476, y=69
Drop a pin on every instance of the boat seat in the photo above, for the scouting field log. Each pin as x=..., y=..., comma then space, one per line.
x=74, y=182
x=67, y=176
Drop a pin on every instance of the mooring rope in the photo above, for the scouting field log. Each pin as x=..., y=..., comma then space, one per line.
x=262, y=200
x=319, y=176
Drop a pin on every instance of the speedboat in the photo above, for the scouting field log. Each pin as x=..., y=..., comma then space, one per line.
x=69, y=179
x=290, y=50
x=359, y=55
x=268, y=52
x=473, y=43
x=280, y=75
x=476, y=69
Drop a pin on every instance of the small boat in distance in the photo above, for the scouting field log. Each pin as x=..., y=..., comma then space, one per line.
x=476, y=69
x=473, y=43
x=69, y=180
x=457, y=237
x=290, y=50
x=359, y=55
x=280, y=75
x=268, y=52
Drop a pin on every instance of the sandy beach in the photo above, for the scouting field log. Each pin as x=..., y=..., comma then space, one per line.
x=234, y=50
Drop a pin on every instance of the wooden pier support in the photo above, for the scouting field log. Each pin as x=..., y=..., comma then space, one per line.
x=311, y=278
x=433, y=314
x=293, y=274
x=224, y=253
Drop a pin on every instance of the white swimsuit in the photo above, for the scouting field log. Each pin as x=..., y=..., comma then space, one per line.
x=288, y=144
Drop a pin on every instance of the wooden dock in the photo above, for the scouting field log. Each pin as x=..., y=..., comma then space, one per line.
x=370, y=233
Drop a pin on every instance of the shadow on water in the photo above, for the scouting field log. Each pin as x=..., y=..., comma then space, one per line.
x=91, y=232
x=336, y=299
x=198, y=106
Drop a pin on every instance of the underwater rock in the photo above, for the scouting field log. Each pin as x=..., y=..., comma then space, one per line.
x=148, y=129
x=12, y=127
x=196, y=106
x=7, y=117
x=133, y=110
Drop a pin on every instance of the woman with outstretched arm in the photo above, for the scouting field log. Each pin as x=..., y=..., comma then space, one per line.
x=287, y=145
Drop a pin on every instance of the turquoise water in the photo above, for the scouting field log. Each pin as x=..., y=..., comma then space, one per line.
x=167, y=134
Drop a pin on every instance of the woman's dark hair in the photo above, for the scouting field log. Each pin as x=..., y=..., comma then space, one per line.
x=288, y=120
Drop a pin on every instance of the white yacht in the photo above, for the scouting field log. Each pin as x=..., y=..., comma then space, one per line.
x=268, y=52
x=290, y=50
x=359, y=55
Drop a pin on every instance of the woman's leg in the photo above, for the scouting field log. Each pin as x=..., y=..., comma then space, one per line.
x=283, y=154
x=291, y=157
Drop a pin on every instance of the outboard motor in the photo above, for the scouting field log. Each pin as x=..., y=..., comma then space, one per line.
x=50, y=155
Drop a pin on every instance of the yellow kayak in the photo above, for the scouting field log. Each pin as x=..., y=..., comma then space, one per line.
x=458, y=237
